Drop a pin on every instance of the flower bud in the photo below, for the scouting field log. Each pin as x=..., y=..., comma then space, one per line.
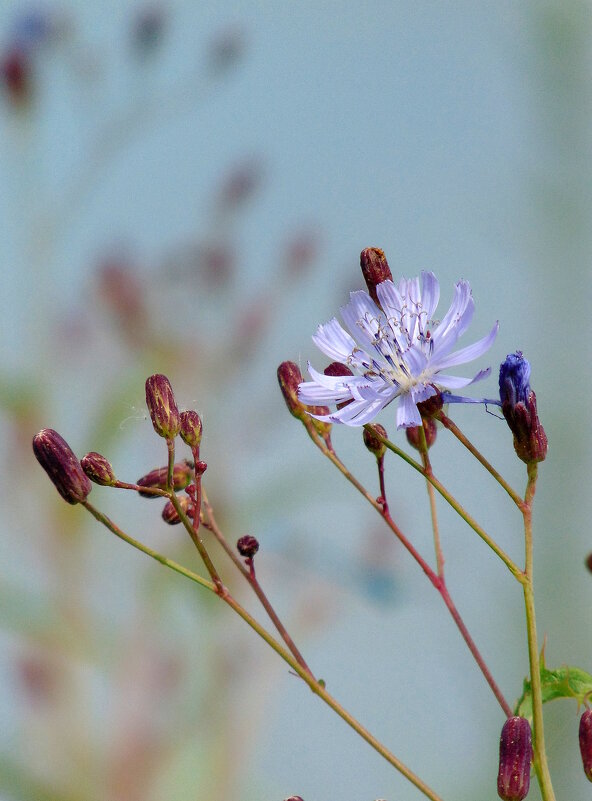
x=294, y=798
x=375, y=270
x=372, y=442
x=200, y=468
x=170, y=514
x=431, y=406
x=520, y=409
x=589, y=562
x=191, y=428
x=247, y=546
x=586, y=742
x=60, y=463
x=414, y=434
x=337, y=369
x=98, y=469
x=182, y=476
x=160, y=401
x=289, y=379
x=515, y=756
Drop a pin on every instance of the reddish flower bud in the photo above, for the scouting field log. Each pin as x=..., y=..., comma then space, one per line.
x=160, y=401
x=182, y=477
x=372, y=442
x=247, y=546
x=200, y=468
x=513, y=779
x=98, y=469
x=16, y=72
x=289, y=378
x=170, y=514
x=294, y=798
x=431, y=406
x=191, y=428
x=586, y=742
x=337, y=369
x=60, y=463
x=520, y=409
x=375, y=270
x=589, y=562
x=414, y=434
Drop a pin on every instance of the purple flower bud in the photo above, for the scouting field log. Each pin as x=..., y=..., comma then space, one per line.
x=200, y=468
x=60, y=463
x=98, y=469
x=162, y=407
x=289, y=378
x=515, y=756
x=520, y=409
x=170, y=514
x=372, y=442
x=586, y=742
x=247, y=546
x=182, y=476
x=375, y=270
x=414, y=433
x=191, y=428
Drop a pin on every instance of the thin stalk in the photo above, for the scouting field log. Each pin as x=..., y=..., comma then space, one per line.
x=540, y=756
x=454, y=429
x=316, y=687
x=427, y=466
x=451, y=500
x=437, y=581
x=380, y=464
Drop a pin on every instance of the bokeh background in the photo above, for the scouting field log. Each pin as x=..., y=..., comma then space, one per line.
x=185, y=188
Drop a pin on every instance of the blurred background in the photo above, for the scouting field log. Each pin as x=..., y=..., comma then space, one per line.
x=185, y=188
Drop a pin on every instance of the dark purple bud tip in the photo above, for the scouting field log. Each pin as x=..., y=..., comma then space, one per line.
x=520, y=409
x=170, y=514
x=191, y=428
x=157, y=479
x=247, y=546
x=414, y=437
x=200, y=468
x=161, y=404
x=375, y=270
x=586, y=742
x=515, y=756
x=60, y=463
x=589, y=562
x=98, y=469
x=372, y=441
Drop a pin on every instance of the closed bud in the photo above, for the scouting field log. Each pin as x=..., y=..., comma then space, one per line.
x=247, y=546
x=520, y=409
x=589, y=562
x=61, y=465
x=371, y=440
x=161, y=404
x=157, y=479
x=98, y=469
x=170, y=514
x=515, y=756
x=375, y=270
x=294, y=798
x=289, y=379
x=414, y=437
x=200, y=468
x=586, y=742
x=191, y=428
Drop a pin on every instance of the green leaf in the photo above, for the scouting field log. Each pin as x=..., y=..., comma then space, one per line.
x=564, y=682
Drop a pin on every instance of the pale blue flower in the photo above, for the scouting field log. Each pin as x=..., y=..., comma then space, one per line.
x=396, y=351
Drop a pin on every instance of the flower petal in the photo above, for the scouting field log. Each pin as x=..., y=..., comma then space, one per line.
x=407, y=412
x=333, y=341
x=467, y=354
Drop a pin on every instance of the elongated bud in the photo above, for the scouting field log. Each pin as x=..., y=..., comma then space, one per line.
x=414, y=434
x=161, y=404
x=289, y=378
x=157, y=479
x=513, y=779
x=247, y=546
x=191, y=428
x=170, y=514
x=586, y=742
x=98, y=469
x=372, y=442
x=61, y=465
x=520, y=409
x=375, y=270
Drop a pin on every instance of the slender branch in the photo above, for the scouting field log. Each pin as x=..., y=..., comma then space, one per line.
x=454, y=429
x=380, y=464
x=427, y=466
x=437, y=581
x=316, y=686
x=540, y=756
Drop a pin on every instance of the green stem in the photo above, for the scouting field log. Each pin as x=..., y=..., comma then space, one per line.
x=314, y=685
x=454, y=429
x=451, y=500
x=540, y=756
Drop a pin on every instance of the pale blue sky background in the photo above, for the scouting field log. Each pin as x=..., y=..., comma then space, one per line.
x=457, y=137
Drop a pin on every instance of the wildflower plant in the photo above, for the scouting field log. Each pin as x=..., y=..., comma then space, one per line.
x=393, y=349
